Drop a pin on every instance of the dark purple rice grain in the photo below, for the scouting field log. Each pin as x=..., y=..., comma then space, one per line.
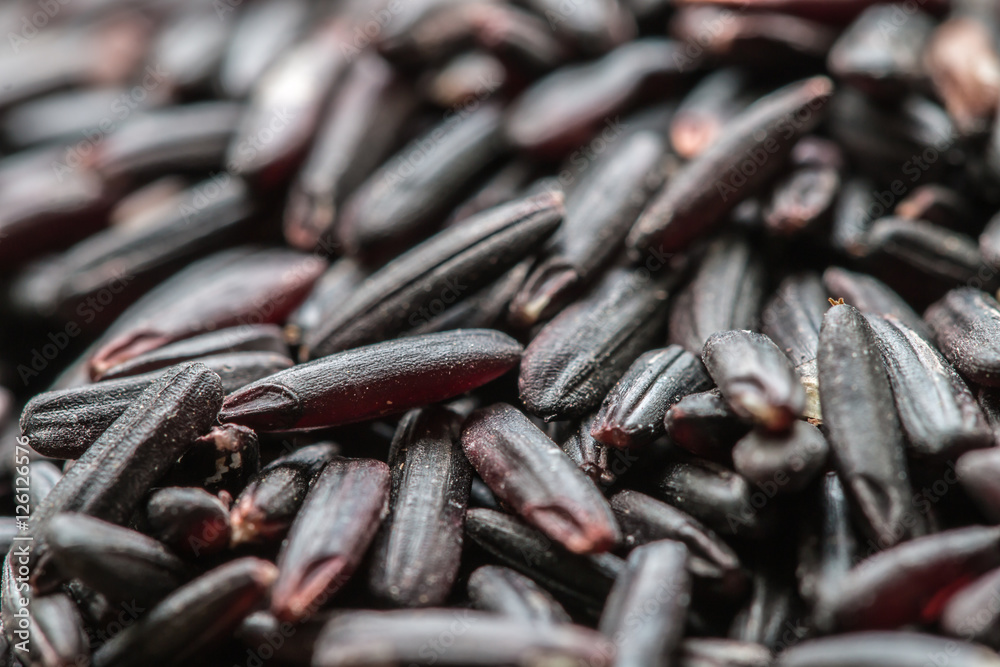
x=705, y=425
x=64, y=423
x=937, y=410
x=260, y=35
x=446, y=266
x=702, y=113
x=756, y=378
x=191, y=521
x=528, y=472
x=941, y=256
x=56, y=634
x=416, y=556
x=966, y=326
x=110, y=478
x=724, y=294
x=190, y=47
x=853, y=215
x=883, y=64
x=400, y=637
x=769, y=612
x=644, y=520
x=247, y=338
x=397, y=204
x=863, y=428
x=576, y=358
x=801, y=201
x=332, y=531
x=562, y=110
x=632, y=413
x=230, y=288
x=792, y=459
x=58, y=116
x=43, y=211
x=187, y=139
x=121, y=564
x=503, y=591
x=576, y=578
x=599, y=213
x=898, y=586
x=432, y=31
x=264, y=510
x=875, y=649
x=295, y=88
x=359, y=128
x=792, y=319
x=694, y=201
x=646, y=610
x=872, y=297
x=969, y=94
x=829, y=551
x=372, y=381
x=979, y=473
x=599, y=462
x=723, y=500
x=193, y=618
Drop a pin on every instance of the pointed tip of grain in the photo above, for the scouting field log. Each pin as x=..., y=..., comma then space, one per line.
x=266, y=574
x=261, y=406
x=690, y=136
x=546, y=284
x=242, y=529
x=297, y=594
x=611, y=435
x=578, y=534
x=819, y=86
